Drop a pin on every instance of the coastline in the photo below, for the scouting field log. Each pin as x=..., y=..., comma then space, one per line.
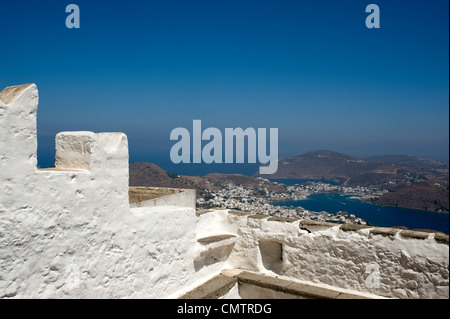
x=368, y=200
x=383, y=216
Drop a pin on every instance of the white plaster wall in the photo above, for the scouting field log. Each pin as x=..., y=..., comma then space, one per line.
x=217, y=223
x=407, y=268
x=69, y=232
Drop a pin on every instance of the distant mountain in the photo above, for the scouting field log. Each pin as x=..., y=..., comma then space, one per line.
x=151, y=175
x=371, y=171
x=391, y=159
x=413, y=182
x=420, y=195
x=322, y=164
x=409, y=160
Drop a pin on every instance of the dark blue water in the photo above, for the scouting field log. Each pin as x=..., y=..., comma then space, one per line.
x=382, y=216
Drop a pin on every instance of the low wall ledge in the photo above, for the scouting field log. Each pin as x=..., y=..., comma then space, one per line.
x=353, y=227
x=316, y=225
x=238, y=213
x=282, y=219
x=258, y=216
x=386, y=232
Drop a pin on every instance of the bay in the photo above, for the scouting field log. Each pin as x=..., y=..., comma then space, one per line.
x=382, y=216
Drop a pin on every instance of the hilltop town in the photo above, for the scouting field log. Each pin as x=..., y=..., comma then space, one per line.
x=260, y=198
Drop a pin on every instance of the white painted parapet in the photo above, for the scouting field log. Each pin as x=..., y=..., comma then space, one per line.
x=18, y=140
x=68, y=231
x=385, y=262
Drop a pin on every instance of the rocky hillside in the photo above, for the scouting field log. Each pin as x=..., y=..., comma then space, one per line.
x=413, y=182
x=373, y=171
x=151, y=175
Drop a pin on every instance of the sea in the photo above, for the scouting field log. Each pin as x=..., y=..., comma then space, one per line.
x=382, y=216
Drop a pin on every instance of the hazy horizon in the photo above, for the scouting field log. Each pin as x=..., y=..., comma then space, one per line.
x=312, y=69
x=46, y=159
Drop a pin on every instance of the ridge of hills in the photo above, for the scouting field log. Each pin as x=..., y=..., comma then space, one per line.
x=412, y=182
x=375, y=170
x=151, y=175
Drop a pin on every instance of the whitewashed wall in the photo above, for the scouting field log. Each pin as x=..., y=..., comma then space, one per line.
x=69, y=232
x=381, y=261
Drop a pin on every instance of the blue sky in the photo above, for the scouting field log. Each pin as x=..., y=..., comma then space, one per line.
x=310, y=68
